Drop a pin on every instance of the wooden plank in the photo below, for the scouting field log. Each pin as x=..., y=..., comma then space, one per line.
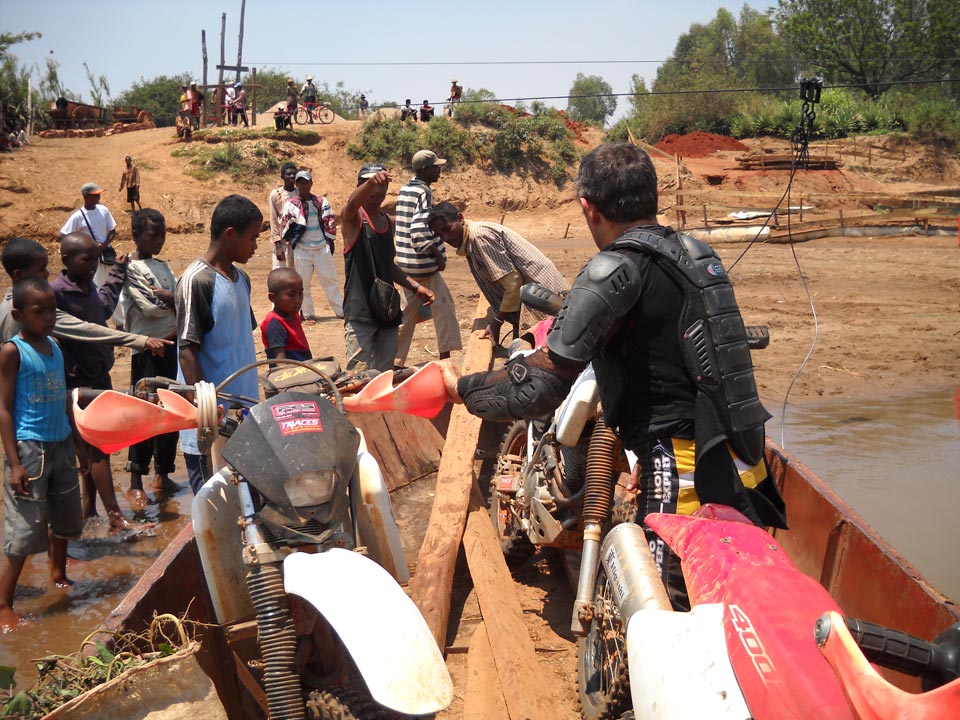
x=529, y=690
x=432, y=584
x=406, y=447
x=483, y=699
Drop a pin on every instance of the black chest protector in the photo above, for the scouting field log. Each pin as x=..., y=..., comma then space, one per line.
x=713, y=341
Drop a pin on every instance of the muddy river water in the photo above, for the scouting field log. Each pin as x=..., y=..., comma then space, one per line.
x=896, y=461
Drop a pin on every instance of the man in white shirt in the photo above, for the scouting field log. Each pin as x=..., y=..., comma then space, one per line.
x=308, y=224
x=95, y=220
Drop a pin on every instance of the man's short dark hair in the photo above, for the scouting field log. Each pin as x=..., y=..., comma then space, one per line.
x=446, y=211
x=620, y=181
x=26, y=285
x=287, y=166
x=279, y=278
x=19, y=253
x=141, y=218
x=234, y=211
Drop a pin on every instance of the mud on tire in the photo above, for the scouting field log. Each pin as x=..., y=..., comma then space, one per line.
x=514, y=543
x=603, y=680
x=342, y=703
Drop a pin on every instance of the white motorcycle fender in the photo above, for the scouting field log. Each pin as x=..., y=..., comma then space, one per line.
x=679, y=666
x=378, y=527
x=579, y=407
x=380, y=626
x=214, y=513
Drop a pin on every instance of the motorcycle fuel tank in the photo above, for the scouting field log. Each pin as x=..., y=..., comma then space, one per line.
x=296, y=450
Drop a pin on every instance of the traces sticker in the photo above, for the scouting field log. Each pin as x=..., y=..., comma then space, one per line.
x=297, y=417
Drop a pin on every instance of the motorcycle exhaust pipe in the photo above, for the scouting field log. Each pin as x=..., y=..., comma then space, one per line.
x=632, y=572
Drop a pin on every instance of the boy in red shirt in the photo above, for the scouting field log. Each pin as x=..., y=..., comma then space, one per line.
x=282, y=329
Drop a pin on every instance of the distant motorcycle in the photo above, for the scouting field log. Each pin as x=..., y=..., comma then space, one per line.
x=295, y=527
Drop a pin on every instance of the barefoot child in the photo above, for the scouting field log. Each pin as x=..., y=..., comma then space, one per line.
x=41, y=492
x=89, y=365
x=150, y=309
x=282, y=329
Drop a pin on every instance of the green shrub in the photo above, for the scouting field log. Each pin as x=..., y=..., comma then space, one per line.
x=448, y=140
x=541, y=145
x=936, y=122
x=386, y=141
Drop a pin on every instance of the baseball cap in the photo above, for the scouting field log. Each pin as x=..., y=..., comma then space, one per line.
x=423, y=159
x=90, y=189
x=304, y=175
x=368, y=171
x=239, y=84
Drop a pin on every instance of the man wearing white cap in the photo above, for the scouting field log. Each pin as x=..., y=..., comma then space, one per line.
x=310, y=228
x=421, y=255
x=95, y=220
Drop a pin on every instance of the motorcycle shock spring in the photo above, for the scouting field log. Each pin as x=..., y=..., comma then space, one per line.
x=601, y=457
x=278, y=642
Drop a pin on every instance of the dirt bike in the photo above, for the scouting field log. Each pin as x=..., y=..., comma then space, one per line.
x=762, y=639
x=537, y=492
x=295, y=528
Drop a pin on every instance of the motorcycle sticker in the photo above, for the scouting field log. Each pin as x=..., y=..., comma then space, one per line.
x=297, y=417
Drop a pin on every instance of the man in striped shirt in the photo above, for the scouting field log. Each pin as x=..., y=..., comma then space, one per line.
x=421, y=255
x=500, y=260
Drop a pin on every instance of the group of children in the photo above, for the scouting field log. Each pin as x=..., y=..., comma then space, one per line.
x=209, y=314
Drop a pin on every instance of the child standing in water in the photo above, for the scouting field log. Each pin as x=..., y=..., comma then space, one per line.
x=41, y=492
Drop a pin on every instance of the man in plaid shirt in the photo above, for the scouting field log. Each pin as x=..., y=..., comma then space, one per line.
x=500, y=260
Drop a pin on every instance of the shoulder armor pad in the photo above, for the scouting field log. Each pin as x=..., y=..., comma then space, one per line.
x=604, y=291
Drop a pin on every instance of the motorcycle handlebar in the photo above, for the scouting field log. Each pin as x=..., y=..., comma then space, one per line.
x=936, y=662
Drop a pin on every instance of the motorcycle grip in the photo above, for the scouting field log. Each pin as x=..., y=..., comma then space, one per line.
x=896, y=650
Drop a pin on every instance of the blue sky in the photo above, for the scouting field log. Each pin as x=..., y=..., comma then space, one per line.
x=128, y=40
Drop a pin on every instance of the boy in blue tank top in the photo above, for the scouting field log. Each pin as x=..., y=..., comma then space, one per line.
x=41, y=492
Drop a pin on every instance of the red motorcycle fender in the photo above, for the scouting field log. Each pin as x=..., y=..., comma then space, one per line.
x=380, y=626
x=771, y=608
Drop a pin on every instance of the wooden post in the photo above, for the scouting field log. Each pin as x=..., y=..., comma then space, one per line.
x=221, y=99
x=841, y=220
x=253, y=97
x=431, y=585
x=503, y=216
x=206, y=102
x=29, y=105
x=567, y=231
x=243, y=7
x=801, y=208
x=705, y=223
x=681, y=215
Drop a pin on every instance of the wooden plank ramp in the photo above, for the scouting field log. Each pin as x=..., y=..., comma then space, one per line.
x=527, y=691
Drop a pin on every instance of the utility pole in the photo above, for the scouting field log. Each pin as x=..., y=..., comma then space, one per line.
x=220, y=89
x=243, y=7
x=207, y=94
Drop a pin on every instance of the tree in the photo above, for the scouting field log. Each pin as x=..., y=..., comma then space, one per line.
x=14, y=82
x=160, y=96
x=8, y=39
x=591, y=99
x=874, y=43
x=99, y=87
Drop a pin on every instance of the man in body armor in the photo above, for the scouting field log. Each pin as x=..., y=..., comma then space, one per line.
x=655, y=313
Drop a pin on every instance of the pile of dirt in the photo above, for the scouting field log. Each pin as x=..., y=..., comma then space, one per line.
x=698, y=144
